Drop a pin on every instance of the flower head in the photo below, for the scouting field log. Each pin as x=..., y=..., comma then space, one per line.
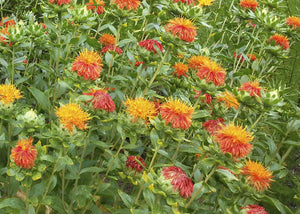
x=257, y=175
x=180, y=69
x=179, y=180
x=132, y=163
x=140, y=108
x=186, y=1
x=72, y=115
x=212, y=72
x=107, y=39
x=293, y=21
x=8, y=93
x=234, y=140
x=183, y=28
x=7, y=23
x=252, y=87
x=280, y=40
x=101, y=100
x=60, y=2
x=229, y=99
x=213, y=126
x=205, y=2
x=93, y=4
x=177, y=113
x=111, y=48
x=128, y=4
x=252, y=57
x=149, y=45
x=240, y=57
x=88, y=65
x=254, y=209
x=249, y=4
x=24, y=153
x=196, y=62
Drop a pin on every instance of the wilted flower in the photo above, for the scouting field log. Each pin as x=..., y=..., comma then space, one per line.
x=93, y=4
x=128, y=4
x=88, y=65
x=72, y=115
x=179, y=180
x=183, y=28
x=254, y=209
x=180, y=69
x=149, y=45
x=60, y=2
x=101, y=100
x=234, y=140
x=229, y=99
x=196, y=62
x=132, y=163
x=205, y=2
x=8, y=23
x=252, y=87
x=111, y=48
x=213, y=126
x=107, y=39
x=212, y=72
x=293, y=21
x=24, y=153
x=8, y=93
x=280, y=40
x=249, y=4
x=257, y=175
x=177, y=113
x=140, y=108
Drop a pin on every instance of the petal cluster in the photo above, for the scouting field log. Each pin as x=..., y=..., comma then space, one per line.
x=9, y=93
x=149, y=45
x=107, y=39
x=102, y=100
x=96, y=4
x=183, y=28
x=213, y=126
x=140, y=108
x=132, y=163
x=60, y=2
x=254, y=209
x=281, y=40
x=127, y=4
x=252, y=87
x=24, y=153
x=293, y=21
x=249, y=4
x=229, y=99
x=180, y=69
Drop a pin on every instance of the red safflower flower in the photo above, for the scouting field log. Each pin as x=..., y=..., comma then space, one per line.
x=250, y=24
x=213, y=126
x=212, y=72
x=88, y=65
x=93, y=4
x=128, y=4
x=111, y=48
x=137, y=63
x=107, y=39
x=180, y=69
x=177, y=113
x=251, y=57
x=24, y=153
x=186, y=1
x=60, y=2
x=149, y=45
x=179, y=180
x=252, y=87
x=132, y=163
x=257, y=175
x=240, y=57
x=249, y=4
x=101, y=100
x=234, y=140
x=293, y=21
x=254, y=209
x=7, y=23
x=183, y=28
x=229, y=99
x=280, y=40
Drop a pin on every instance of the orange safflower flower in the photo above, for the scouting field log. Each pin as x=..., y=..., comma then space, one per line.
x=229, y=99
x=205, y=2
x=107, y=39
x=257, y=175
x=72, y=115
x=249, y=4
x=7, y=23
x=234, y=140
x=252, y=87
x=294, y=21
x=128, y=4
x=93, y=4
x=88, y=65
x=140, y=108
x=8, y=93
x=101, y=100
x=251, y=57
x=195, y=62
x=60, y=2
x=280, y=40
x=183, y=28
x=177, y=113
x=180, y=69
x=212, y=72
x=24, y=153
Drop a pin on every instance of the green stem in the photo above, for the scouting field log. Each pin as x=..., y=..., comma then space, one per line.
x=286, y=154
x=176, y=152
x=257, y=120
x=13, y=65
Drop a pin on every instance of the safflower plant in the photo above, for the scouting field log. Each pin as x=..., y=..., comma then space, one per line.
x=146, y=107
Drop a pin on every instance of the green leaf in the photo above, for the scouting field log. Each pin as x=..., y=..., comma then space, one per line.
x=40, y=97
x=293, y=143
x=149, y=197
x=201, y=114
x=92, y=169
x=63, y=161
x=15, y=203
x=128, y=200
x=228, y=175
